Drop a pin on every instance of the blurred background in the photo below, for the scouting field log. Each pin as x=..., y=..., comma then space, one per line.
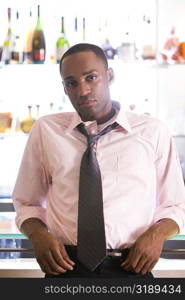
x=144, y=41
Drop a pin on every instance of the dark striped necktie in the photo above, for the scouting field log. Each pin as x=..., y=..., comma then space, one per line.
x=91, y=242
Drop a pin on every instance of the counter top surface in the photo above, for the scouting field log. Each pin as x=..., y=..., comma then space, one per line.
x=28, y=267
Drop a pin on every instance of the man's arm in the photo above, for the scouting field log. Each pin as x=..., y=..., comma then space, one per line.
x=146, y=251
x=49, y=252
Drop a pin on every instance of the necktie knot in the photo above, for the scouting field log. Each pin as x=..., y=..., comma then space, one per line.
x=93, y=138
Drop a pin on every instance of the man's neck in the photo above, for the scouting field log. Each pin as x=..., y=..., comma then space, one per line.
x=108, y=116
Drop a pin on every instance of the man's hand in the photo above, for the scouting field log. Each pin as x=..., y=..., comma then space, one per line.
x=146, y=251
x=49, y=252
x=51, y=255
x=143, y=254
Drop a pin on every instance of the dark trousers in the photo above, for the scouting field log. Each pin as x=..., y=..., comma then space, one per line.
x=109, y=268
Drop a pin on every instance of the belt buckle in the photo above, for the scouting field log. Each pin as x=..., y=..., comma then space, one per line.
x=114, y=253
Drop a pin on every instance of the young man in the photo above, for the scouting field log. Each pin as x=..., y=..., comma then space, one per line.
x=141, y=178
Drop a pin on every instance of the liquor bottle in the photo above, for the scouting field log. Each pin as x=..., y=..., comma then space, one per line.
x=127, y=50
x=27, y=123
x=84, y=30
x=17, y=51
x=182, y=50
x=18, y=124
x=108, y=49
x=38, y=42
x=170, y=49
x=106, y=45
x=5, y=122
x=8, y=43
x=76, y=38
x=1, y=51
x=148, y=49
x=37, y=111
x=62, y=43
x=28, y=43
x=51, y=105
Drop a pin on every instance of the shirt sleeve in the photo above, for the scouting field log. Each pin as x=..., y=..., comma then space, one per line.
x=32, y=183
x=170, y=185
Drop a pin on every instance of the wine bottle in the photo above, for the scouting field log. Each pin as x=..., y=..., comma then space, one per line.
x=17, y=51
x=28, y=43
x=27, y=123
x=8, y=43
x=38, y=42
x=62, y=43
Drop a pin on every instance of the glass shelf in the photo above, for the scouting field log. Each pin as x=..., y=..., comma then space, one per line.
x=8, y=228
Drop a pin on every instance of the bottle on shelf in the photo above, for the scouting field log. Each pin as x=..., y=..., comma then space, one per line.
x=1, y=50
x=127, y=50
x=108, y=49
x=181, y=50
x=38, y=42
x=28, y=41
x=17, y=51
x=51, y=105
x=170, y=49
x=148, y=50
x=5, y=122
x=27, y=123
x=62, y=43
x=8, y=43
x=37, y=111
x=106, y=45
x=84, y=30
x=76, y=38
x=18, y=124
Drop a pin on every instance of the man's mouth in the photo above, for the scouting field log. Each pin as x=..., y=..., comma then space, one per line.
x=87, y=103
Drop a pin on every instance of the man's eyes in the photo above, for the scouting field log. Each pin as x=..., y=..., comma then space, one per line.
x=74, y=83
x=71, y=83
x=91, y=77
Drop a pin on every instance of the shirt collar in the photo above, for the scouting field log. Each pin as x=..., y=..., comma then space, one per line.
x=120, y=118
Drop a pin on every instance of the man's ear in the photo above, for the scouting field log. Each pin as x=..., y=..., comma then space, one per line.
x=110, y=75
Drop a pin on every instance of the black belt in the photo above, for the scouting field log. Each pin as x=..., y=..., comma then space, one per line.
x=72, y=250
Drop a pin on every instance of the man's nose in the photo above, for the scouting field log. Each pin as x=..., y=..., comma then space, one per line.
x=84, y=89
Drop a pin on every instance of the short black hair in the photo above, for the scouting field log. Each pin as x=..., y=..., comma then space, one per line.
x=82, y=47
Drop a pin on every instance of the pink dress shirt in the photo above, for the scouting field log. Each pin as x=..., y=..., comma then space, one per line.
x=141, y=176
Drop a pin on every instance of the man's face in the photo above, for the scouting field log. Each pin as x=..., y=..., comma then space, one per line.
x=86, y=82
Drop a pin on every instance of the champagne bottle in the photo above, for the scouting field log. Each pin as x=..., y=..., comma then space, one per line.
x=38, y=42
x=62, y=43
x=8, y=43
x=17, y=52
x=28, y=43
x=27, y=123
